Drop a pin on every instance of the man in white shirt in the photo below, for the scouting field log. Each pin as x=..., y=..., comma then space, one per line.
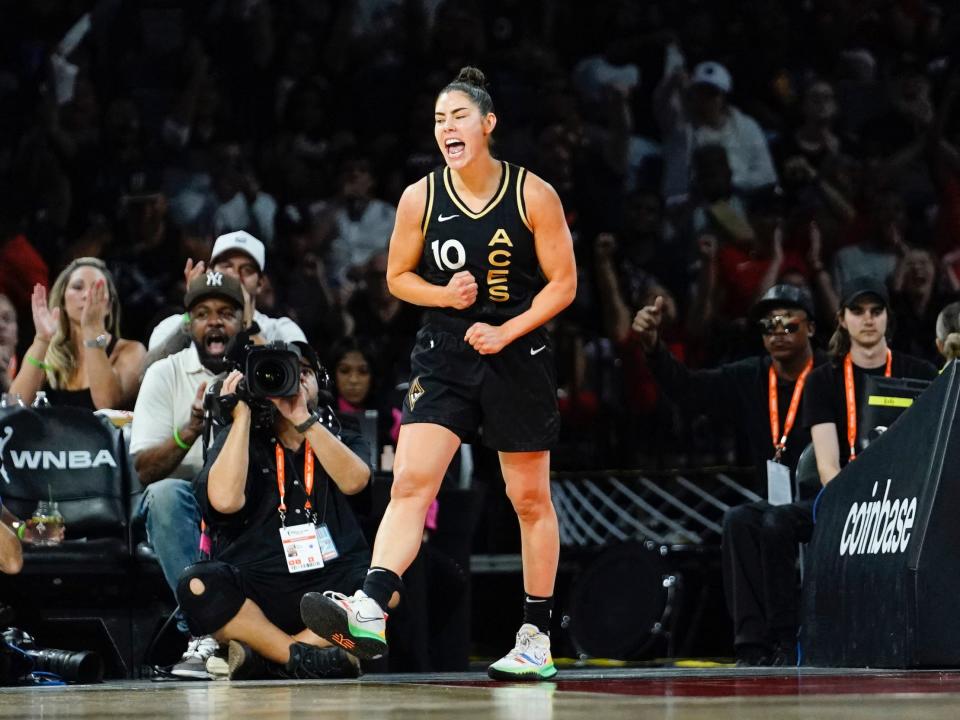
x=168, y=421
x=242, y=256
x=698, y=114
x=364, y=223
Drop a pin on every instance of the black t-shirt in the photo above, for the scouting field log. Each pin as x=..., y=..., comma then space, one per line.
x=737, y=393
x=825, y=398
x=250, y=539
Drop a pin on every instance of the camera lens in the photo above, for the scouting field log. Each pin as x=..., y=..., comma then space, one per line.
x=271, y=376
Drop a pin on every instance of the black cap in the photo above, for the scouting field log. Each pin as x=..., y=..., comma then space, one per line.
x=309, y=354
x=142, y=183
x=213, y=284
x=856, y=288
x=783, y=296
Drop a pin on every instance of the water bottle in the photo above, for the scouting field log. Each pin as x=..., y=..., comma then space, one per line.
x=41, y=401
x=387, y=458
x=46, y=526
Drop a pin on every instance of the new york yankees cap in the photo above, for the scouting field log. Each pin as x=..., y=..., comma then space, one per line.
x=213, y=284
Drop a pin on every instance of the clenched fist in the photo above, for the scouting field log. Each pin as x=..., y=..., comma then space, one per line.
x=461, y=290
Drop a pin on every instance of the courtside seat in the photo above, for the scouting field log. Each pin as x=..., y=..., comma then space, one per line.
x=76, y=595
x=74, y=458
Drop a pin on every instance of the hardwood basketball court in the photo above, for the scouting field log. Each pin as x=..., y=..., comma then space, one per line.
x=674, y=694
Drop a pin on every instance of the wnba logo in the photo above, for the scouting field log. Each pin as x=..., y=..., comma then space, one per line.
x=50, y=459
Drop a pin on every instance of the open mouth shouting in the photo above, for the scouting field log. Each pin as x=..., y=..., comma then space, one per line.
x=215, y=342
x=454, y=147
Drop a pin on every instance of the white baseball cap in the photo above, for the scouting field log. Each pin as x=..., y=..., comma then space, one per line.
x=243, y=241
x=712, y=73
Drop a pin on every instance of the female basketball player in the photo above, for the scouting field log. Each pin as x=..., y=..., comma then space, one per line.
x=485, y=245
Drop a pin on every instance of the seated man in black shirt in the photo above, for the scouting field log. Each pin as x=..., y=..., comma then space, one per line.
x=760, y=397
x=280, y=528
x=858, y=348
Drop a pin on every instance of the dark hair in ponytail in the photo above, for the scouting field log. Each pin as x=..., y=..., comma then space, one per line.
x=472, y=82
x=839, y=342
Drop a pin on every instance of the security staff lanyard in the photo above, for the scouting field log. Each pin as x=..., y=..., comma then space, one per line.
x=780, y=441
x=852, y=400
x=307, y=482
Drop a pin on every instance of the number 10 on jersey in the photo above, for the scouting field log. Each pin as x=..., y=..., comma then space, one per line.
x=442, y=254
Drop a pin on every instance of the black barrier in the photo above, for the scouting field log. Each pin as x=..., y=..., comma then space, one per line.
x=882, y=572
x=70, y=455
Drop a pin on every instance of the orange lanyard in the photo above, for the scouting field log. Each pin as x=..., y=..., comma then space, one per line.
x=852, y=400
x=780, y=441
x=282, y=479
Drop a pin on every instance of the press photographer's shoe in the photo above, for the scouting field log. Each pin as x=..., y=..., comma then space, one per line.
x=193, y=664
x=357, y=623
x=309, y=662
x=530, y=658
x=244, y=663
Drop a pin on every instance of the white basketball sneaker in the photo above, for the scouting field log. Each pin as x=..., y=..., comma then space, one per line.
x=355, y=623
x=530, y=659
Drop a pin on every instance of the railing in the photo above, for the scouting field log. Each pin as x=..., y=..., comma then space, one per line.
x=681, y=507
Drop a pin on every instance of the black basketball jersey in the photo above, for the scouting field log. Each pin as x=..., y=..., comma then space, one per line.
x=495, y=244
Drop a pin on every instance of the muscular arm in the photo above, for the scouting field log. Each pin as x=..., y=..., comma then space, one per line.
x=227, y=479
x=554, y=248
x=827, y=450
x=406, y=247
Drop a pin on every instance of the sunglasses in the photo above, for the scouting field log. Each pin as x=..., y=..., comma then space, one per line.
x=768, y=326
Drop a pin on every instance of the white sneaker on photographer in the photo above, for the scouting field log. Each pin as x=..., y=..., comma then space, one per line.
x=193, y=664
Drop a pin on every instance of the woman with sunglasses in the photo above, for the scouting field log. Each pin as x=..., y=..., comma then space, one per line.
x=835, y=391
x=760, y=397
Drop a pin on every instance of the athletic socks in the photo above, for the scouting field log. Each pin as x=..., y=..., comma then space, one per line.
x=380, y=585
x=537, y=611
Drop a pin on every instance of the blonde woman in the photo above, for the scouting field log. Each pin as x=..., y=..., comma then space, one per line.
x=77, y=355
x=948, y=332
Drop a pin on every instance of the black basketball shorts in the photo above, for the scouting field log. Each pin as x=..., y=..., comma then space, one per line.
x=509, y=398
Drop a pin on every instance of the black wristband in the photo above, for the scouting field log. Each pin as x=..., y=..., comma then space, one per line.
x=308, y=423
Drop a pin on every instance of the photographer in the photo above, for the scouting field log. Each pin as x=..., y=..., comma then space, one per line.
x=271, y=514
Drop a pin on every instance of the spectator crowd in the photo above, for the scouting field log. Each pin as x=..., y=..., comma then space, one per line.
x=703, y=152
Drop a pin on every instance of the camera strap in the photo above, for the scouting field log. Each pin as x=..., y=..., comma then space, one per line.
x=307, y=480
x=852, y=399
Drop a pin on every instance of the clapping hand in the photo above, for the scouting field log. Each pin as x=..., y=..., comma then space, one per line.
x=95, y=310
x=192, y=271
x=45, y=320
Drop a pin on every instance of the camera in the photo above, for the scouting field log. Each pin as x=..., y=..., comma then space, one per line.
x=20, y=658
x=272, y=371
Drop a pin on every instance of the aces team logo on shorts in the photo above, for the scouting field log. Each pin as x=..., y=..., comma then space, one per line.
x=415, y=392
